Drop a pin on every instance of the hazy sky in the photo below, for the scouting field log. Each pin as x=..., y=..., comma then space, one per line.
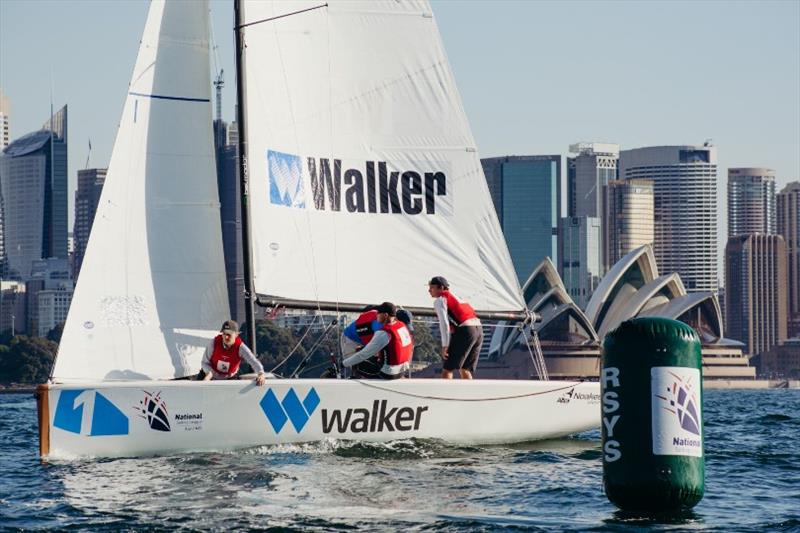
x=534, y=76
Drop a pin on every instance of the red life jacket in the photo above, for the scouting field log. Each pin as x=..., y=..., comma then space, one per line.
x=226, y=360
x=364, y=325
x=401, y=346
x=457, y=312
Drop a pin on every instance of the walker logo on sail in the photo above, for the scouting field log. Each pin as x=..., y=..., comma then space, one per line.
x=368, y=187
x=675, y=409
x=87, y=412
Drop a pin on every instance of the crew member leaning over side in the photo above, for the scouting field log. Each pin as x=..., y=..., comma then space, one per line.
x=225, y=353
x=393, y=339
x=460, y=328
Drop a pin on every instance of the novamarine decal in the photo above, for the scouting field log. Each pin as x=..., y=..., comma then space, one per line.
x=676, y=414
x=330, y=184
x=381, y=416
x=589, y=397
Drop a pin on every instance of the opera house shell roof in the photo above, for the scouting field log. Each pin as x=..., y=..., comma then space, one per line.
x=631, y=288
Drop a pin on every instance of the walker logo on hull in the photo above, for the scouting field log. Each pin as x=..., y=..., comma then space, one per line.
x=87, y=412
x=675, y=408
x=289, y=409
x=366, y=187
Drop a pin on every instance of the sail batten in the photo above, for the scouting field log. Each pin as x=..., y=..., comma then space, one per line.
x=152, y=285
x=364, y=177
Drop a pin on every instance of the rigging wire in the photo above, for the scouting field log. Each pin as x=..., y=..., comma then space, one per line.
x=296, y=346
x=311, y=350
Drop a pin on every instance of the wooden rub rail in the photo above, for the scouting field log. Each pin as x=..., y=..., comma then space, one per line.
x=43, y=409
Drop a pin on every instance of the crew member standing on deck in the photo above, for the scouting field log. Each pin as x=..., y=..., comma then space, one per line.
x=460, y=328
x=391, y=348
x=225, y=353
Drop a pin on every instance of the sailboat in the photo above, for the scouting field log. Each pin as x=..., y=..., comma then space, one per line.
x=360, y=179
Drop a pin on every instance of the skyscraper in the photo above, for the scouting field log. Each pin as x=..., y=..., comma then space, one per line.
x=751, y=201
x=755, y=291
x=685, y=208
x=581, y=263
x=87, y=197
x=526, y=191
x=593, y=166
x=34, y=194
x=789, y=227
x=628, y=218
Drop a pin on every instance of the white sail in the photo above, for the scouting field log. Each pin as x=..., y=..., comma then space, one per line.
x=364, y=176
x=152, y=285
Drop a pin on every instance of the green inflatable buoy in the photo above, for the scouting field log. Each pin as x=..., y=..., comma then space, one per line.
x=652, y=425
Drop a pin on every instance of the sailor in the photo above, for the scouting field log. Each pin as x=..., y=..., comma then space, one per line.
x=359, y=332
x=388, y=354
x=460, y=329
x=225, y=353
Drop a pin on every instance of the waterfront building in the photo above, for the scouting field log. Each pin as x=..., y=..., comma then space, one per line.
x=13, y=309
x=34, y=193
x=581, y=261
x=789, y=227
x=526, y=191
x=628, y=218
x=48, y=294
x=755, y=291
x=751, y=201
x=87, y=198
x=685, y=208
x=782, y=361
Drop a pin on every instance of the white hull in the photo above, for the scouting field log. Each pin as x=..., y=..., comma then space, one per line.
x=123, y=419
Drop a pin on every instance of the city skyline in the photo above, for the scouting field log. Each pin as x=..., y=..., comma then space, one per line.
x=738, y=85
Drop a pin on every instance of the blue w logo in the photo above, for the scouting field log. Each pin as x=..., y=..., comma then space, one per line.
x=291, y=408
x=285, y=179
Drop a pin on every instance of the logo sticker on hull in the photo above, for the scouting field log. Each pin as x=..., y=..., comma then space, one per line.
x=87, y=412
x=289, y=409
x=154, y=410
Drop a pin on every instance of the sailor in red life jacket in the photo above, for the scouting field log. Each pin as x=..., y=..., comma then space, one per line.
x=359, y=332
x=394, y=340
x=226, y=352
x=460, y=328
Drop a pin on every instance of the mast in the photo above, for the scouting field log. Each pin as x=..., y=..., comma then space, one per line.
x=247, y=255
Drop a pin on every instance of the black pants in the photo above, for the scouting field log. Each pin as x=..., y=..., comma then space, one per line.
x=464, y=349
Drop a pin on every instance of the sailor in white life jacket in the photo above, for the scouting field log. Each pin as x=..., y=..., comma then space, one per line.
x=225, y=353
x=460, y=328
x=388, y=354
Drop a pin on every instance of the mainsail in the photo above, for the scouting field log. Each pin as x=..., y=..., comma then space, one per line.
x=152, y=285
x=364, y=176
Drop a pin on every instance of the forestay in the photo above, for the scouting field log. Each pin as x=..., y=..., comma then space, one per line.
x=152, y=283
x=364, y=176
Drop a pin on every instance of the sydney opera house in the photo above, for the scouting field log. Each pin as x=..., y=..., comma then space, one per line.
x=570, y=337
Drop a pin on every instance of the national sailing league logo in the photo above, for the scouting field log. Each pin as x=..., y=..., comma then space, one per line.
x=285, y=179
x=289, y=409
x=681, y=400
x=153, y=409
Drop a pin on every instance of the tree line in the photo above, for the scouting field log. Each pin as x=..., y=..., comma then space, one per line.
x=303, y=351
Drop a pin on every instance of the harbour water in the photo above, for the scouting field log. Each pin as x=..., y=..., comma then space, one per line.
x=752, y=482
